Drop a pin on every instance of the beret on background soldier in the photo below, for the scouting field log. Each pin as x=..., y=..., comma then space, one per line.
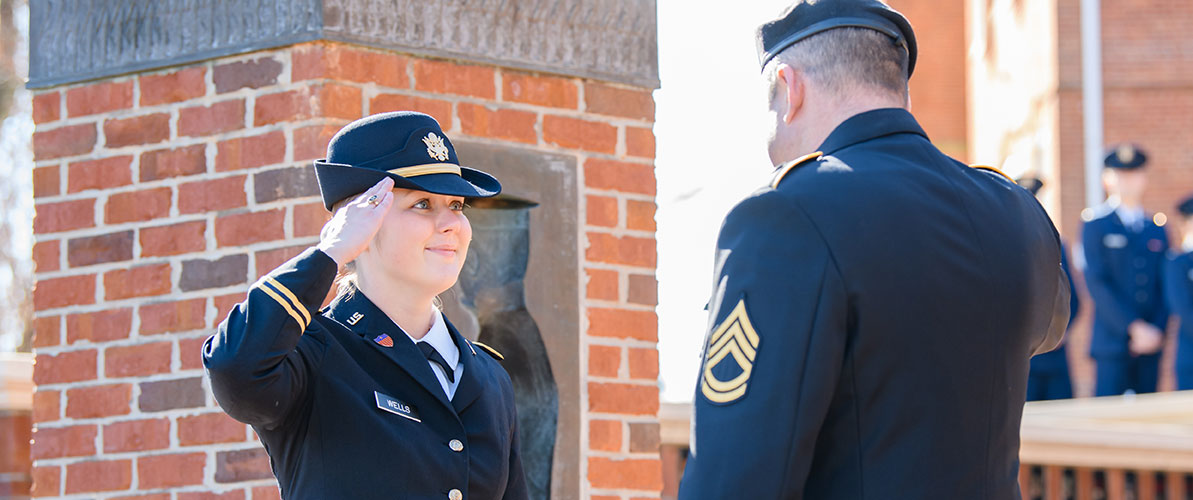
x=1186, y=207
x=1031, y=183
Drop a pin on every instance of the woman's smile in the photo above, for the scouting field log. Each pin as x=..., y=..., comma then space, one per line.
x=444, y=250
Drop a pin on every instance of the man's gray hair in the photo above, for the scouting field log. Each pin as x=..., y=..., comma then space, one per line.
x=844, y=59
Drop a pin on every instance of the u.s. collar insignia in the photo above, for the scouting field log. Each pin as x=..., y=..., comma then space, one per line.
x=355, y=318
x=732, y=347
x=435, y=147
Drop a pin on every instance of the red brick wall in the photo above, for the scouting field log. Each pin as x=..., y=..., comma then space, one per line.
x=15, y=478
x=938, y=85
x=161, y=196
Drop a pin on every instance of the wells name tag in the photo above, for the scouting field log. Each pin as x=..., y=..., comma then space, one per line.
x=388, y=403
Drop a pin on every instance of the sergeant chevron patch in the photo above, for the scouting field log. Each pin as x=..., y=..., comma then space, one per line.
x=729, y=358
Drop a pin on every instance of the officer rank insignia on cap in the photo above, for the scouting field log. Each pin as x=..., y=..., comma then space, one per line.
x=1125, y=153
x=435, y=147
x=384, y=340
x=729, y=358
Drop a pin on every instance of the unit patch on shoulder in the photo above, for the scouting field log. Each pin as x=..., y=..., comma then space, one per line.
x=729, y=357
x=787, y=168
x=492, y=352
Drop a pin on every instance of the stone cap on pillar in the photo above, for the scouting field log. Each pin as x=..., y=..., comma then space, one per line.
x=79, y=40
x=16, y=381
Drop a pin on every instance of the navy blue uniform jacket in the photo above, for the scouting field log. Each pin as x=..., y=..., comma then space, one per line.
x=312, y=386
x=881, y=304
x=1124, y=273
x=1178, y=285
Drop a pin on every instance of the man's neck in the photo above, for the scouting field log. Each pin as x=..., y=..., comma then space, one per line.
x=1132, y=204
x=823, y=122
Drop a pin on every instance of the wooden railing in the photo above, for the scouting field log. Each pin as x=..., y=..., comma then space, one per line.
x=1117, y=448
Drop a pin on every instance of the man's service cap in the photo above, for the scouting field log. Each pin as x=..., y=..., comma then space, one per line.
x=1125, y=157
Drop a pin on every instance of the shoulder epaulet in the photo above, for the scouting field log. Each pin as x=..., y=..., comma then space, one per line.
x=783, y=170
x=492, y=352
x=1096, y=212
x=988, y=168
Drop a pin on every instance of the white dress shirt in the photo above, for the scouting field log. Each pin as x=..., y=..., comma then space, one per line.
x=441, y=340
x=1132, y=217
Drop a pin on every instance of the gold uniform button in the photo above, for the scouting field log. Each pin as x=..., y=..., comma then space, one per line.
x=456, y=445
x=455, y=495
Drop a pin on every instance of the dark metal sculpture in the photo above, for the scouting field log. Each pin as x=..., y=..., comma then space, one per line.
x=491, y=287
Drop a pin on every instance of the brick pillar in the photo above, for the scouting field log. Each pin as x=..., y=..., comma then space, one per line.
x=161, y=194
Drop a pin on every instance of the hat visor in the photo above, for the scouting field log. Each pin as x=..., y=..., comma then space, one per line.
x=338, y=182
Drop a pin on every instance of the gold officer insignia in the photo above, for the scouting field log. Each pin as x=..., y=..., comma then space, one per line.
x=1125, y=153
x=732, y=341
x=435, y=147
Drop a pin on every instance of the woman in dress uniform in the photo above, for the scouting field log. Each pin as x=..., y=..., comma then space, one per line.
x=377, y=395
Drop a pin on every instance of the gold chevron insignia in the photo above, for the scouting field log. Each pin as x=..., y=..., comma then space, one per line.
x=734, y=340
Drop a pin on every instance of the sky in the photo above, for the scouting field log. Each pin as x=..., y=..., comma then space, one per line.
x=16, y=157
x=710, y=130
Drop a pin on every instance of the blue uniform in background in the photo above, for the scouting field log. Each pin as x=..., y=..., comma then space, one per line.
x=1124, y=274
x=1049, y=377
x=1178, y=285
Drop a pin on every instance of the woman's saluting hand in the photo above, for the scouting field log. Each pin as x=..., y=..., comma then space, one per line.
x=353, y=225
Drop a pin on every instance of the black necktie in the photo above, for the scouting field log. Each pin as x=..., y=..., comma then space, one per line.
x=434, y=357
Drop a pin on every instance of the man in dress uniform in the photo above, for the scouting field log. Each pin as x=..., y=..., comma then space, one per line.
x=1178, y=285
x=875, y=307
x=1124, y=250
x=1049, y=377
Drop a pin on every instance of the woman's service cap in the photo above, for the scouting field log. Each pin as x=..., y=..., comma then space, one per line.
x=405, y=146
x=809, y=17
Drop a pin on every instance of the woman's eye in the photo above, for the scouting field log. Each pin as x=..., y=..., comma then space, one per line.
x=422, y=204
x=458, y=206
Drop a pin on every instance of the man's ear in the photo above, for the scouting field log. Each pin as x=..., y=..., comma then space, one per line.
x=793, y=86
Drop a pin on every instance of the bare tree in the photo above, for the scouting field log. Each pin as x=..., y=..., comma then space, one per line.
x=16, y=164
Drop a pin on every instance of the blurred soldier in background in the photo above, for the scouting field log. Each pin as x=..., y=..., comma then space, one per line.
x=1125, y=249
x=1049, y=377
x=1178, y=284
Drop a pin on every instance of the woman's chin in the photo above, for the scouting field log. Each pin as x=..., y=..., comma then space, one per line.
x=442, y=281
